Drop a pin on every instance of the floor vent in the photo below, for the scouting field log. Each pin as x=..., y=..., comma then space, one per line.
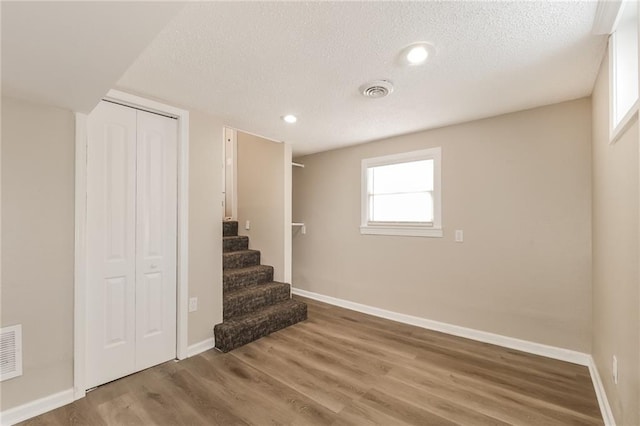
x=10, y=352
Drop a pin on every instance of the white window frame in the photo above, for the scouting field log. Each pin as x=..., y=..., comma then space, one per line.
x=617, y=130
x=433, y=229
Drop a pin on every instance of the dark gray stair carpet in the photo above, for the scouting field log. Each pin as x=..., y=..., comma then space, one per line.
x=240, y=259
x=246, y=300
x=239, y=331
x=234, y=279
x=253, y=304
x=229, y=228
x=236, y=243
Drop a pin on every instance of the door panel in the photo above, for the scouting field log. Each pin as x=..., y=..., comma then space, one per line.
x=156, y=231
x=131, y=241
x=111, y=164
x=115, y=311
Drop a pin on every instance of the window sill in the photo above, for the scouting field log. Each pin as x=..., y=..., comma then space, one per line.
x=405, y=231
x=624, y=124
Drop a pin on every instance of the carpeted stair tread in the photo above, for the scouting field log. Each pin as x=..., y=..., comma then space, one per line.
x=229, y=228
x=249, y=299
x=235, y=243
x=253, y=304
x=234, y=279
x=240, y=259
x=239, y=331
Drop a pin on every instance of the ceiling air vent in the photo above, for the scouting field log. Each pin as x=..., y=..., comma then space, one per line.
x=10, y=352
x=376, y=89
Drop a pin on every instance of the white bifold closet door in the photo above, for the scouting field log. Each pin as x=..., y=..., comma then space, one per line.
x=131, y=241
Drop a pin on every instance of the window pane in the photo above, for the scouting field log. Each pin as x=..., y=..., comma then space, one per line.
x=416, y=207
x=626, y=61
x=413, y=176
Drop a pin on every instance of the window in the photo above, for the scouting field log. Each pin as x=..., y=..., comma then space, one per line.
x=623, y=69
x=401, y=194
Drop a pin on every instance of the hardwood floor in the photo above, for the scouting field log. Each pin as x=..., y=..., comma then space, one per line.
x=345, y=368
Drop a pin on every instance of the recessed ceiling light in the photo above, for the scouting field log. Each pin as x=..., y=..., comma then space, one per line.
x=290, y=118
x=418, y=53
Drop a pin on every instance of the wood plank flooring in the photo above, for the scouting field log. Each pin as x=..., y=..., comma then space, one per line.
x=345, y=368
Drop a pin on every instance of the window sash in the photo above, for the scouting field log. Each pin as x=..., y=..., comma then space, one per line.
x=623, y=71
x=406, y=215
x=429, y=225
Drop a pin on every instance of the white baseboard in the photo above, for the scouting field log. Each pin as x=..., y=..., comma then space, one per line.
x=200, y=347
x=456, y=330
x=35, y=408
x=605, y=408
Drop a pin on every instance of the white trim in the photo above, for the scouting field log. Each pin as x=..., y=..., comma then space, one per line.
x=616, y=130
x=607, y=15
x=456, y=330
x=403, y=229
x=183, y=236
x=413, y=231
x=224, y=174
x=234, y=188
x=144, y=104
x=203, y=346
x=80, y=230
x=256, y=134
x=625, y=123
x=231, y=134
x=603, y=402
x=79, y=305
x=288, y=232
x=35, y=408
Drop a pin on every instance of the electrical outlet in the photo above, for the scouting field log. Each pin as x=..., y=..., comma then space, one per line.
x=459, y=236
x=614, y=370
x=247, y=225
x=193, y=304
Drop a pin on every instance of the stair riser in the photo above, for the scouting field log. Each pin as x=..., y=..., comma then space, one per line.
x=240, y=259
x=235, y=244
x=229, y=338
x=229, y=229
x=238, y=281
x=238, y=306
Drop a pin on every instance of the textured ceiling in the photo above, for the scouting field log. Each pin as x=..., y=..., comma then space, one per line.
x=252, y=62
x=69, y=54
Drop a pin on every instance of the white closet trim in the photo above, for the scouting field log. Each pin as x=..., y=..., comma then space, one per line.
x=80, y=229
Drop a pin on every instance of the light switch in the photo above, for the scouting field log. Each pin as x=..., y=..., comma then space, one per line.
x=459, y=236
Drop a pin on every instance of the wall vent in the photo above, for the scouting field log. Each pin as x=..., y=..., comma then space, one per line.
x=10, y=352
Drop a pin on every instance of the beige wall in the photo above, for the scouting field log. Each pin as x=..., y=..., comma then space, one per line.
x=616, y=330
x=38, y=236
x=519, y=187
x=37, y=245
x=205, y=224
x=260, y=164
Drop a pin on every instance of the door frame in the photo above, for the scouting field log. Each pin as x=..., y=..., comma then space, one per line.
x=231, y=134
x=80, y=292
x=288, y=195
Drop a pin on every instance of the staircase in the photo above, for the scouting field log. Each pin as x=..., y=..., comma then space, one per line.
x=253, y=304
